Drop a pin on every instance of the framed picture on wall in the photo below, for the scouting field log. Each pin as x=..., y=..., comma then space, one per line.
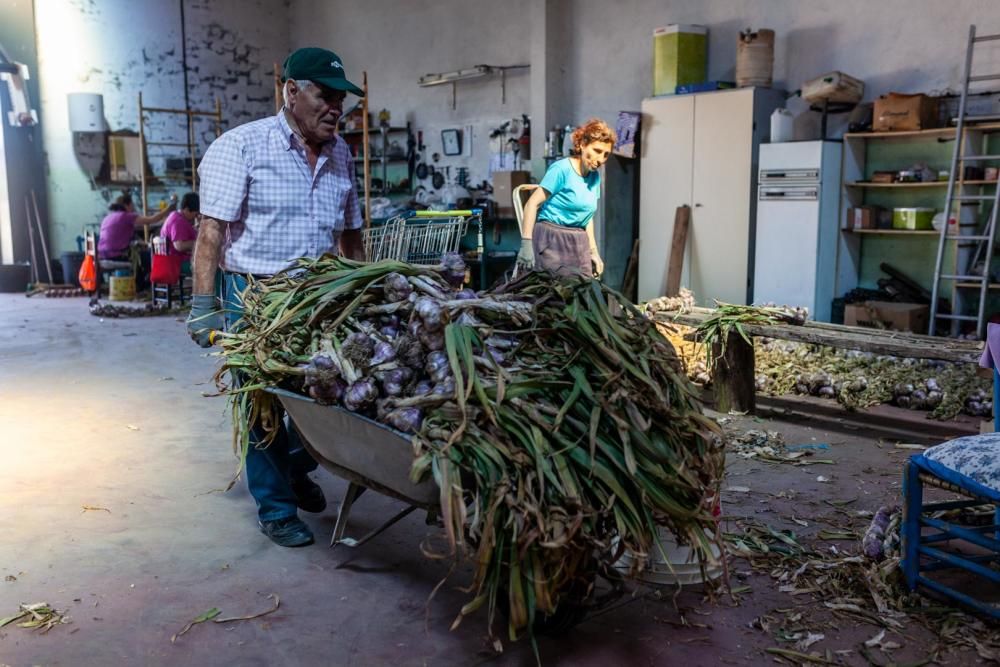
x=451, y=140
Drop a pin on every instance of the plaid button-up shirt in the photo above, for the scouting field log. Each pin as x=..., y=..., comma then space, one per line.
x=256, y=178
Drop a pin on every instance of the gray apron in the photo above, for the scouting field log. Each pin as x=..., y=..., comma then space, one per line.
x=560, y=249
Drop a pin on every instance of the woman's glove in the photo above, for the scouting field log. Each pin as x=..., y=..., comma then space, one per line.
x=205, y=319
x=526, y=255
x=595, y=258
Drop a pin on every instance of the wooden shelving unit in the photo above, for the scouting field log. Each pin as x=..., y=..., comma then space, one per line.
x=352, y=133
x=913, y=252
x=897, y=232
x=929, y=184
x=380, y=136
x=932, y=133
x=190, y=147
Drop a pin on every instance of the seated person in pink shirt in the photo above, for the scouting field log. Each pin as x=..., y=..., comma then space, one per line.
x=117, y=231
x=178, y=231
x=120, y=225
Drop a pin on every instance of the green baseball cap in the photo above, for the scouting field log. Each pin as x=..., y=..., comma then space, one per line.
x=319, y=66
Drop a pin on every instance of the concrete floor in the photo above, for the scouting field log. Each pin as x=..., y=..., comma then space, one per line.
x=110, y=415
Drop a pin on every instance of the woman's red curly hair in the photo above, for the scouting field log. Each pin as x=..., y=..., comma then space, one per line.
x=593, y=130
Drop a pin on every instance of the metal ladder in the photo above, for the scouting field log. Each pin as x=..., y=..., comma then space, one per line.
x=986, y=240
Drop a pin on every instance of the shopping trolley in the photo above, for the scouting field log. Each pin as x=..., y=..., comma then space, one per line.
x=421, y=237
x=384, y=241
x=429, y=234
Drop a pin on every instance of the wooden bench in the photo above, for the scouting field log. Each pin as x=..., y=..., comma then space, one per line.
x=734, y=376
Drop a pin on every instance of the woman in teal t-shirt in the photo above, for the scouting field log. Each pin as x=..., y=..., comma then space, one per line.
x=556, y=234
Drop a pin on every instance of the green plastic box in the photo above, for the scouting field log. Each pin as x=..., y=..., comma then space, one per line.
x=680, y=56
x=913, y=218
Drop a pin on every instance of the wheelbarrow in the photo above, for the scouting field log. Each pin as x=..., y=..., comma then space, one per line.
x=371, y=455
x=367, y=454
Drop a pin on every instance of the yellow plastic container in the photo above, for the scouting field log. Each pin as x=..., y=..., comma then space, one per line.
x=680, y=56
x=913, y=218
x=122, y=288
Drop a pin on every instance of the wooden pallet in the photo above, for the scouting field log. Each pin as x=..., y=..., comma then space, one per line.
x=734, y=375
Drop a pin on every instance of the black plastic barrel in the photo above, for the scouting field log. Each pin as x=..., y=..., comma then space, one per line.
x=71, y=263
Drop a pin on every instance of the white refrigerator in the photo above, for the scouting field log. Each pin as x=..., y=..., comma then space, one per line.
x=798, y=211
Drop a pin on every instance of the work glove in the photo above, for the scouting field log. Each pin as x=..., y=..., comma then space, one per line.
x=204, y=320
x=595, y=258
x=526, y=255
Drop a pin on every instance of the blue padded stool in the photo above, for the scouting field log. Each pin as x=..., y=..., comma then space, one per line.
x=970, y=467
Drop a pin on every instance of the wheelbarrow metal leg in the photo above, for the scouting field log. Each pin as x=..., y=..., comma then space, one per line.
x=350, y=542
x=353, y=491
x=352, y=494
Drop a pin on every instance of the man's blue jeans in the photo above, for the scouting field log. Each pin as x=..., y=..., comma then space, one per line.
x=269, y=471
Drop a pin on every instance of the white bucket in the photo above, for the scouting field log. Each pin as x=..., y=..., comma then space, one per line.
x=965, y=225
x=782, y=126
x=680, y=567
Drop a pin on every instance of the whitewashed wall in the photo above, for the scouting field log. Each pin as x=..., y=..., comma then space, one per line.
x=604, y=49
x=596, y=59
x=906, y=46
x=397, y=42
x=119, y=48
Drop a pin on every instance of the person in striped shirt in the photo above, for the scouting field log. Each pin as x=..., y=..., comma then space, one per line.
x=274, y=190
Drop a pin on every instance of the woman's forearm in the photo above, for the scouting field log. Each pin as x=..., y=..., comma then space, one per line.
x=530, y=215
x=528, y=221
x=152, y=220
x=590, y=235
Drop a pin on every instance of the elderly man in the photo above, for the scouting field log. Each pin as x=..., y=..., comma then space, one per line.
x=274, y=190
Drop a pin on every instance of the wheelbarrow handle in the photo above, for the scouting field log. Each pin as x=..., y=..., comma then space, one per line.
x=215, y=336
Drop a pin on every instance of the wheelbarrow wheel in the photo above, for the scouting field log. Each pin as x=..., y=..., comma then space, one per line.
x=574, y=603
x=567, y=616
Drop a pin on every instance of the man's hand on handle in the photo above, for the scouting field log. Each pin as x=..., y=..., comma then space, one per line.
x=205, y=319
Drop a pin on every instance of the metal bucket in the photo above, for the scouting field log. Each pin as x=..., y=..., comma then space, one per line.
x=121, y=288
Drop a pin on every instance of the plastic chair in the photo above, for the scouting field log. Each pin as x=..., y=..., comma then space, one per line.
x=969, y=467
x=102, y=267
x=520, y=196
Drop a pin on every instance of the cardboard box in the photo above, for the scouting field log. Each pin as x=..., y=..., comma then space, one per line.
x=888, y=315
x=896, y=112
x=124, y=158
x=504, y=183
x=862, y=217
